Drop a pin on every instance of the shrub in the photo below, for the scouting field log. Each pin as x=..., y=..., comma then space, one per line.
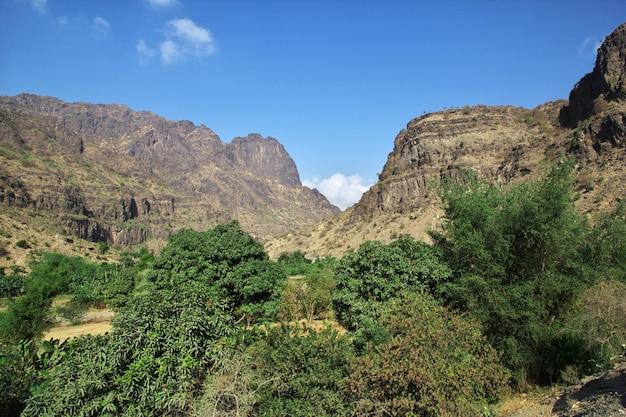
x=601, y=321
x=11, y=285
x=22, y=244
x=378, y=272
x=295, y=263
x=24, y=367
x=305, y=373
x=153, y=363
x=230, y=262
x=433, y=362
x=519, y=259
x=71, y=312
x=307, y=297
x=103, y=248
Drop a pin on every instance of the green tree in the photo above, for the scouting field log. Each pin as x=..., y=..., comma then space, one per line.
x=254, y=287
x=28, y=316
x=607, y=244
x=518, y=256
x=230, y=262
x=166, y=340
x=295, y=263
x=378, y=272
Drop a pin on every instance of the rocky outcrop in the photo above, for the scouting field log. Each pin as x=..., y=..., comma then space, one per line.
x=605, y=84
x=504, y=143
x=13, y=192
x=492, y=142
x=264, y=157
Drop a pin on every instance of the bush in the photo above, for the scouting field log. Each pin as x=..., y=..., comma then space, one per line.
x=153, y=363
x=22, y=244
x=71, y=312
x=378, y=272
x=230, y=262
x=433, y=362
x=307, y=297
x=295, y=263
x=601, y=320
x=103, y=248
x=11, y=285
x=24, y=367
x=304, y=372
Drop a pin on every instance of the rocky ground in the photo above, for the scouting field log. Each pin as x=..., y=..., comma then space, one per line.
x=602, y=395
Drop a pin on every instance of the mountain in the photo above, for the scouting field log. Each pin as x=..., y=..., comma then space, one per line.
x=106, y=173
x=499, y=144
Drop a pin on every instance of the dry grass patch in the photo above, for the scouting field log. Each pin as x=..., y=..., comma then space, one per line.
x=95, y=322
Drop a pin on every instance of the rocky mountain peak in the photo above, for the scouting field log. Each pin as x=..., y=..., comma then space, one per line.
x=264, y=157
x=104, y=172
x=606, y=83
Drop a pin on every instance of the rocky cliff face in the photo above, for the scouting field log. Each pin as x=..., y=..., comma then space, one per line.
x=107, y=173
x=441, y=145
x=605, y=84
x=499, y=144
x=264, y=157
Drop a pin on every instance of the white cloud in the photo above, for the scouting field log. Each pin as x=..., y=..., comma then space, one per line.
x=588, y=47
x=100, y=26
x=343, y=191
x=170, y=52
x=38, y=5
x=145, y=52
x=597, y=45
x=185, y=38
x=162, y=4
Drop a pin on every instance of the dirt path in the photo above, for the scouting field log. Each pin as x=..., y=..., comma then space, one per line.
x=95, y=322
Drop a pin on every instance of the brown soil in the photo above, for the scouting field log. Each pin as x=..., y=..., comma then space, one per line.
x=95, y=322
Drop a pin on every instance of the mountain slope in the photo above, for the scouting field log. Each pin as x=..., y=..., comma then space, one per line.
x=107, y=173
x=496, y=143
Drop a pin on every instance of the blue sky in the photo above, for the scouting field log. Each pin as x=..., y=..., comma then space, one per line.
x=333, y=81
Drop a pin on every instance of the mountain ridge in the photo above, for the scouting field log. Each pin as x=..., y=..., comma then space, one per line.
x=105, y=173
x=496, y=143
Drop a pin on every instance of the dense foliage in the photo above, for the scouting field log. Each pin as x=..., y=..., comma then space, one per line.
x=52, y=274
x=432, y=363
x=378, y=272
x=166, y=339
x=520, y=257
x=11, y=284
x=308, y=293
x=24, y=371
x=307, y=372
x=152, y=364
x=517, y=283
x=230, y=262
